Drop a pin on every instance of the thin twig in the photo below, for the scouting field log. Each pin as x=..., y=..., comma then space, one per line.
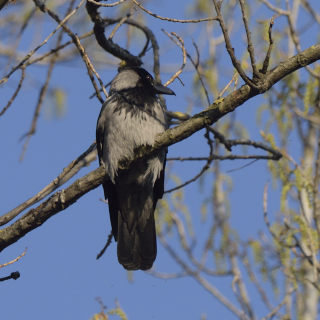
x=201, y=280
x=42, y=94
x=249, y=41
x=195, y=64
x=31, y=53
x=120, y=23
x=246, y=165
x=85, y=35
x=293, y=34
x=236, y=63
x=173, y=20
x=316, y=198
x=23, y=73
x=276, y=154
x=278, y=307
x=267, y=58
x=176, y=75
x=311, y=11
x=265, y=212
x=227, y=86
x=256, y=282
x=204, y=169
x=166, y=276
x=275, y=9
x=217, y=157
x=221, y=138
x=17, y=41
x=45, y=86
x=89, y=64
x=75, y=40
x=238, y=286
x=107, y=5
x=16, y=259
x=106, y=246
x=183, y=238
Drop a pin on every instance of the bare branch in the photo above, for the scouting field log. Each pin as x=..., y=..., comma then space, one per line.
x=105, y=43
x=256, y=282
x=311, y=11
x=107, y=5
x=160, y=275
x=23, y=74
x=188, y=249
x=119, y=24
x=150, y=37
x=195, y=64
x=76, y=41
x=267, y=58
x=173, y=20
x=56, y=203
x=201, y=280
x=68, y=172
x=204, y=169
x=15, y=260
x=176, y=75
x=42, y=57
x=227, y=86
x=282, y=303
x=236, y=63
x=42, y=94
x=250, y=46
x=275, y=9
x=27, y=57
x=89, y=64
x=106, y=246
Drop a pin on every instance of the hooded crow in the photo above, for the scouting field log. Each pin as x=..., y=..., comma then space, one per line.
x=132, y=116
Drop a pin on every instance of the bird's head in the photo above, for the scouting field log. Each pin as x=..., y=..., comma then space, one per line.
x=134, y=78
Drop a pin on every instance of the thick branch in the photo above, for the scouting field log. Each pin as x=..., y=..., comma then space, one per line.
x=107, y=44
x=68, y=172
x=58, y=202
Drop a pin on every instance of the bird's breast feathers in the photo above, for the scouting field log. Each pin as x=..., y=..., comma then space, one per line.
x=128, y=126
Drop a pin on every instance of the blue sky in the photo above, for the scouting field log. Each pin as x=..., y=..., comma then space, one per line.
x=60, y=276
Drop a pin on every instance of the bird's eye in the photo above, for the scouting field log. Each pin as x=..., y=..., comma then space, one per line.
x=149, y=79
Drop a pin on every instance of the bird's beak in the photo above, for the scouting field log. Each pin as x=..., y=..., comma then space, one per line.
x=159, y=88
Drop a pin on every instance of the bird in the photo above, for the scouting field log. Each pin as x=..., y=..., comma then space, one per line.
x=131, y=117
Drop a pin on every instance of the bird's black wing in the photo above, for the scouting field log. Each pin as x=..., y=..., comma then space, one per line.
x=109, y=188
x=159, y=184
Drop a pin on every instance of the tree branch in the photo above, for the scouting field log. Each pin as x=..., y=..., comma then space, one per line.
x=56, y=203
x=107, y=44
x=68, y=172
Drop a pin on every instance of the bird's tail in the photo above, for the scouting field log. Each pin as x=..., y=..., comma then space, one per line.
x=137, y=246
x=137, y=249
